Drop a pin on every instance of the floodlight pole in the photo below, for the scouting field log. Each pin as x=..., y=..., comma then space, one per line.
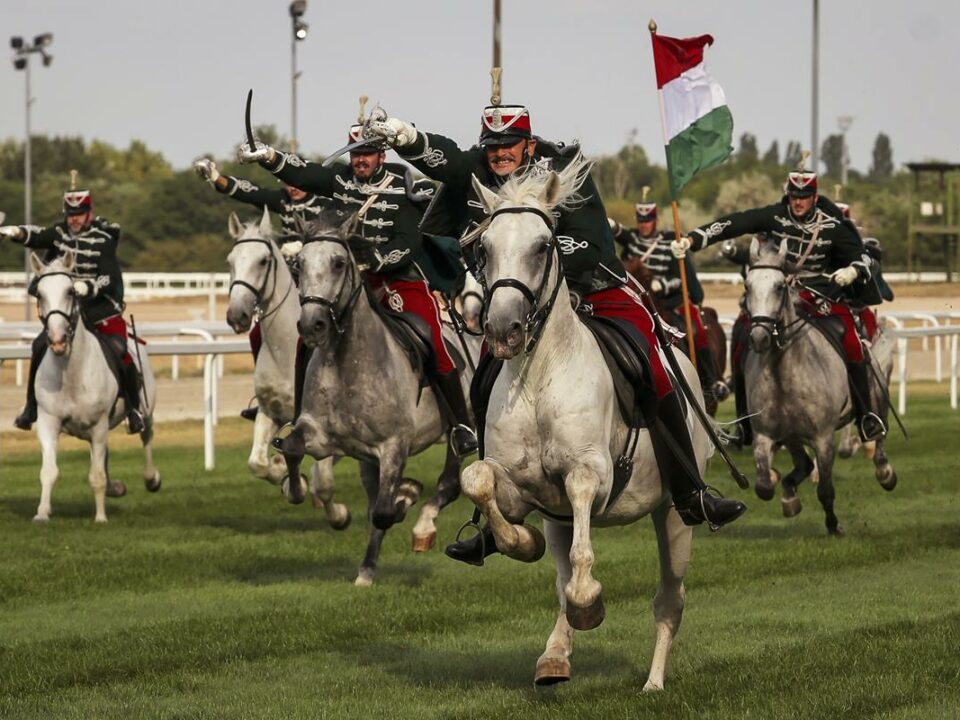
x=496, y=34
x=815, y=104
x=293, y=90
x=27, y=194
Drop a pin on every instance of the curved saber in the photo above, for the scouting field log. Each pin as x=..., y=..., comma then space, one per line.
x=250, y=141
x=344, y=150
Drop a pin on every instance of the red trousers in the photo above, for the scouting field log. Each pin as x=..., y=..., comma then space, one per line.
x=414, y=296
x=700, y=339
x=115, y=325
x=824, y=308
x=619, y=303
x=869, y=319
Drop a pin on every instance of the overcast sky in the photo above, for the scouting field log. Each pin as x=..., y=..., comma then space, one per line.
x=174, y=73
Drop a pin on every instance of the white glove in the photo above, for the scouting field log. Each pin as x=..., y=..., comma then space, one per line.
x=656, y=287
x=844, y=276
x=680, y=246
x=260, y=154
x=291, y=249
x=394, y=130
x=207, y=170
x=615, y=227
x=11, y=232
x=82, y=288
x=728, y=248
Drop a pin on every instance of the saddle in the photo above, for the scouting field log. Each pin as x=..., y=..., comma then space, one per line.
x=414, y=336
x=114, y=350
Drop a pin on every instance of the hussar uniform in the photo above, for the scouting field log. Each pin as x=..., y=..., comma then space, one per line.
x=293, y=214
x=591, y=268
x=818, y=245
x=392, y=204
x=654, y=252
x=101, y=305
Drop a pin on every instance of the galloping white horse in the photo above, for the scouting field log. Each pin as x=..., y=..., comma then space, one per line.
x=261, y=285
x=77, y=392
x=553, y=429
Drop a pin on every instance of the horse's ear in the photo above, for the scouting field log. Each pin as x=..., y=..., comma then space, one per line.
x=348, y=228
x=234, y=226
x=69, y=260
x=35, y=264
x=550, y=194
x=266, y=230
x=782, y=251
x=754, y=250
x=490, y=200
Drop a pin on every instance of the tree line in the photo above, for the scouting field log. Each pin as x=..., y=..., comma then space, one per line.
x=171, y=221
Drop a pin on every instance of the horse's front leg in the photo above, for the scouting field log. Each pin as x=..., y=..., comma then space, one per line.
x=553, y=666
x=370, y=478
x=883, y=470
x=260, y=462
x=826, y=451
x=48, y=433
x=321, y=490
x=767, y=477
x=395, y=493
x=448, y=489
x=481, y=482
x=98, y=468
x=583, y=592
x=294, y=447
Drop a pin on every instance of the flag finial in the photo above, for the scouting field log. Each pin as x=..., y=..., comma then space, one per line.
x=652, y=25
x=362, y=115
x=73, y=180
x=495, y=74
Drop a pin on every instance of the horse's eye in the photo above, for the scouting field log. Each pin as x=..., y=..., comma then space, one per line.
x=543, y=248
x=339, y=263
x=263, y=261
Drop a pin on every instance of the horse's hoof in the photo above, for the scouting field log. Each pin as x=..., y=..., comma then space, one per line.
x=539, y=546
x=100, y=520
x=836, y=530
x=41, y=519
x=340, y=520
x=364, y=577
x=586, y=618
x=408, y=492
x=551, y=671
x=764, y=491
x=791, y=507
x=288, y=491
x=115, y=488
x=423, y=543
x=887, y=477
x=152, y=484
x=651, y=687
x=844, y=452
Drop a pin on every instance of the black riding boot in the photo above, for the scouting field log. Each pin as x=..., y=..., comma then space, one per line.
x=28, y=416
x=473, y=550
x=690, y=496
x=300, y=377
x=250, y=413
x=462, y=436
x=131, y=395
x=869, y=424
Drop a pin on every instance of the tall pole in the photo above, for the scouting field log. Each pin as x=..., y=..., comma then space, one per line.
x=496, y=33
x=815, y=104
x=27, y=197
x=293, y=92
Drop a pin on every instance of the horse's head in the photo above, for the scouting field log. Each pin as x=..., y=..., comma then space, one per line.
x=518, y=257
x=767, y=292
x=57, y=303
x=253, y=265
x=471, y=304
x=329, y=277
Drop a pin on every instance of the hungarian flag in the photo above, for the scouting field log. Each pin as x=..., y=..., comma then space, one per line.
x=697, y=125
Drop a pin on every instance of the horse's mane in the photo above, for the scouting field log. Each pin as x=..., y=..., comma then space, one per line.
x=528, y=187
x=326, y=222
x=58, y=264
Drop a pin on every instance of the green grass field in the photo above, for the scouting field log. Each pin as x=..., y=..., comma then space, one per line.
x=217, y=599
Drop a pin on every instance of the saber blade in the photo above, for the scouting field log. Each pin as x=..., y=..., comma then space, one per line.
x=250, y=141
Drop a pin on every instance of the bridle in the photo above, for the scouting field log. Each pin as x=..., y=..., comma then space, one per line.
x=773, y=324
x=339, y=315
x=537, y=316
x=258, y=293
x=72, y=318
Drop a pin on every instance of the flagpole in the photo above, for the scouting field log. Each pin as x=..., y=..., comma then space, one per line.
x=685, y=294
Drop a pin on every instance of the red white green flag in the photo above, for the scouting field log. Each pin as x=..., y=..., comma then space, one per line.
x=697, y=125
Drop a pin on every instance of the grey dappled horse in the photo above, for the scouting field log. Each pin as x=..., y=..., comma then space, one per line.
x=361, y=397
x=261, y=286
x=77, y=392
x=797, y=388
x=553, y=429
x=471, y=303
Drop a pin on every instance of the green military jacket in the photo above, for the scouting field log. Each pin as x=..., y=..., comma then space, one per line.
x=657, y=257
x=278, y=202
x=825, y=240
x=589, y=259
x=392, y=221
x=96, y=249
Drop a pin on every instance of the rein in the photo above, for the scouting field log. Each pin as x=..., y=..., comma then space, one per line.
x=537, y=316
x=773, y=324
x=258, y=293
x=340, y=317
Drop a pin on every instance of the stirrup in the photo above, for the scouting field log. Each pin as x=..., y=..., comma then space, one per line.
x=471, y=523
x=470, y=444
x=285, y=431
x=879, y=431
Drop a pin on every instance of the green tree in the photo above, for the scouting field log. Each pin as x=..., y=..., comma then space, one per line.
x=831, y=153
x=748, y=153
x=791, y=158
x=882, y=158
x=750, y=190
x=772, y=156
